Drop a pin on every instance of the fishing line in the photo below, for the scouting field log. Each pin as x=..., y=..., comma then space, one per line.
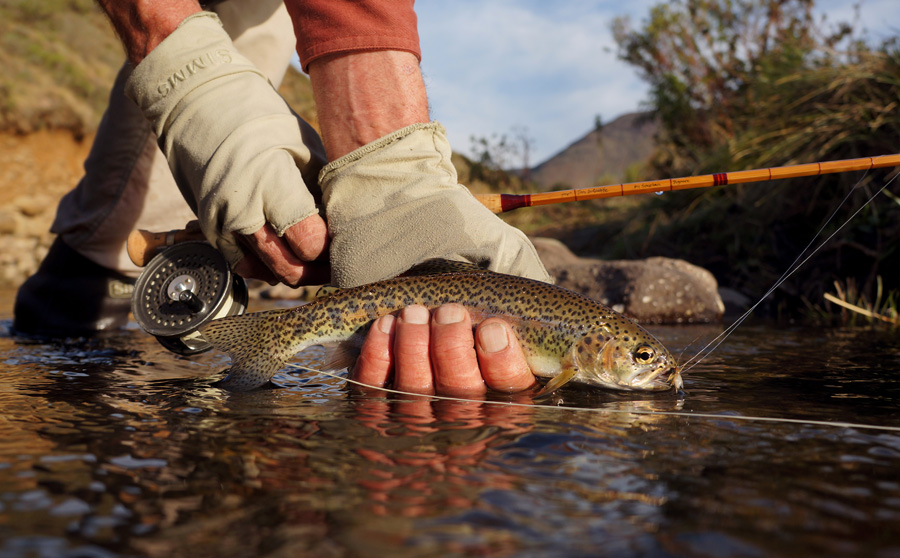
x=793, y=268
x=713, y=416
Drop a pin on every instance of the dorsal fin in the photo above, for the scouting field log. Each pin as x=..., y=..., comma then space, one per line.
x=440, y=266
x=326, y=290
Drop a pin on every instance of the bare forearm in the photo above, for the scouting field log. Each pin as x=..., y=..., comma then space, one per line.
x=366, y=95
x=363, y=61
x=143, y=24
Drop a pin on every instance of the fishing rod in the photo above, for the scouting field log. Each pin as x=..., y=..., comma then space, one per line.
x=501, y=203
x=143, y=245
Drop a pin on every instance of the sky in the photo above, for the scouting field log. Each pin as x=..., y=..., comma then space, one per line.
x=495, y=66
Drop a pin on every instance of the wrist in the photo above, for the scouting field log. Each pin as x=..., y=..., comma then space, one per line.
x=142, y=26
x=196, y=54
x=369, y=95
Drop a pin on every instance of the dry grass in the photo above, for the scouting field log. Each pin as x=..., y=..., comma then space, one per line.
x=748, y=235
x=855, y=306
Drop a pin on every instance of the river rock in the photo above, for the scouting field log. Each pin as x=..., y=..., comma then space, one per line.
x=34, y=205
x=7, y=221
x=653, y=290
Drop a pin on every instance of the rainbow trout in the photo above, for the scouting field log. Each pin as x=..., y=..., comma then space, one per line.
x=566, y=336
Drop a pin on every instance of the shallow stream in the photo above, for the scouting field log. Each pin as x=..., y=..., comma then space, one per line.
x=116, y=447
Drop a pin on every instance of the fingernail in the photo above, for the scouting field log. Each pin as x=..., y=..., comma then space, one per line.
x=415, y=314
x=386, y=324
x=492, y=338
x=449, y=314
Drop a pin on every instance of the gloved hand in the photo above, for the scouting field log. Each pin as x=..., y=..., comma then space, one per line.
x=396, y=202
x=243, y=160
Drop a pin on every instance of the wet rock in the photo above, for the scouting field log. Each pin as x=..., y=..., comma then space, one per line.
x=555, y=254
x=654, y=290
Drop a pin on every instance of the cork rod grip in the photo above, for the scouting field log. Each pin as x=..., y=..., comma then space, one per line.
x=143, y=245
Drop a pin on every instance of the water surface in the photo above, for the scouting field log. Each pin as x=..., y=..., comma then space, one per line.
x=115, y=447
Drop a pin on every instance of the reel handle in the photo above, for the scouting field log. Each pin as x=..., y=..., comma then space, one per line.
x=143, y=245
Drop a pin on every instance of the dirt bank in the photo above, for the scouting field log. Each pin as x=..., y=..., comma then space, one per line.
x=36, y=170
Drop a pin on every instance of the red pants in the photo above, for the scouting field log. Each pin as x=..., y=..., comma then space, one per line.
x=326, y=27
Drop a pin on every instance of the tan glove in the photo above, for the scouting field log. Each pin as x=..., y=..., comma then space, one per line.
x=396, y=202
x=240, y=156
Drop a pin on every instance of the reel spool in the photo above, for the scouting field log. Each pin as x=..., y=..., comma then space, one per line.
x=182, y=288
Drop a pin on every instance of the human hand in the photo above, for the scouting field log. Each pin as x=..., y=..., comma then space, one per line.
x=299, y=257
x=396, y=202
x=246, y=164
x=437, y=353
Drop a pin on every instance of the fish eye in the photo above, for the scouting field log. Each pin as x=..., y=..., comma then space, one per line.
x=644, y=354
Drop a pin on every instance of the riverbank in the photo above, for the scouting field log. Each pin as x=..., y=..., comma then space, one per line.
x=36, y=170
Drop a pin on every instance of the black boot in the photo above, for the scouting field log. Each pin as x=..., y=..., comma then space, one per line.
x=72, y=296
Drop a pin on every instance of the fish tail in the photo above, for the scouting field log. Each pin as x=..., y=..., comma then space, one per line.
x=255, y=346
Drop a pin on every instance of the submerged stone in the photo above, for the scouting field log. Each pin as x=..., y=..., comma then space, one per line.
x=653, y=290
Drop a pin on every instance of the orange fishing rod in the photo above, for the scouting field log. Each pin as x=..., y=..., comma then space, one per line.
x=500, y=203
x=143, y=245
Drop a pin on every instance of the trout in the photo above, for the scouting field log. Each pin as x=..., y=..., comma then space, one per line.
x=566, y=337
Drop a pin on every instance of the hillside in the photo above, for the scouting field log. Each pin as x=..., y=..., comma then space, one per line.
x=609, y=155
x=58, y=59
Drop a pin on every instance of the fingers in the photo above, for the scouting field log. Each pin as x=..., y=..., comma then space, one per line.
x=456, y=371
x=441, y=355
x=290, y=259
x=375, y=363
x=251, y=267
x=308, y=239
x=412, y=361
x=501, y=357
x=399, y=349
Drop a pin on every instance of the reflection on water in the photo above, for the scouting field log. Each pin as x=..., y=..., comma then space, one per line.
x=116, y=447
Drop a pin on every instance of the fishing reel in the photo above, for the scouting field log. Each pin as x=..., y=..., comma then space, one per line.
x=186, y=285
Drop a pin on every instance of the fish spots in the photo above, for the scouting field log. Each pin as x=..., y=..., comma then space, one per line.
x=548, y=320
x=335, y=316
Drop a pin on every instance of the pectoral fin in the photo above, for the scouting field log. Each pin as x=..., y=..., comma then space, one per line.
x=568, y=372
x=565, y=376
x=344, y=353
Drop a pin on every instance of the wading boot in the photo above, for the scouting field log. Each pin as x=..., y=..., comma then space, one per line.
x=70, y=296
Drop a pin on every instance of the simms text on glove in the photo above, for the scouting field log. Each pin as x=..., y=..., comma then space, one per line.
x=240, y=156
x=396, y=202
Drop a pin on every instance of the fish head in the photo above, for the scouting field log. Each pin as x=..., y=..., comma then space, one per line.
x=624, y=356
